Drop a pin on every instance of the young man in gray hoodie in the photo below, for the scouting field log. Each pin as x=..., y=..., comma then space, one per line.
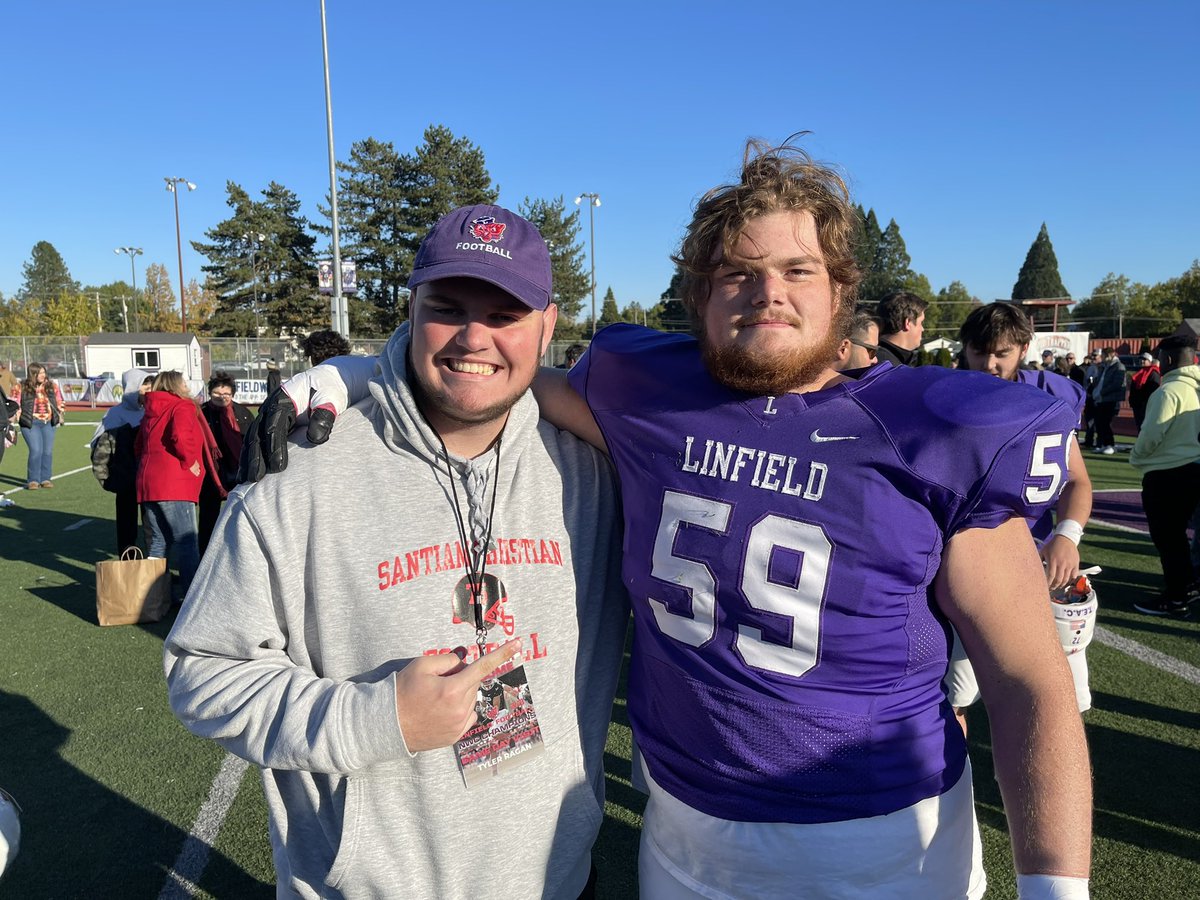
x=415, y=631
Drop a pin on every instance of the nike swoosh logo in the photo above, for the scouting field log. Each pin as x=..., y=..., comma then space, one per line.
x=817, y=438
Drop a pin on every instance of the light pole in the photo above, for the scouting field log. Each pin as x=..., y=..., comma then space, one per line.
x=593, y=202
x=339, y=314
x=134, y=253
x=172, y=184
x=253, y=240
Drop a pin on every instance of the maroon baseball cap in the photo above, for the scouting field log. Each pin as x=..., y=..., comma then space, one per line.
x=492, y=244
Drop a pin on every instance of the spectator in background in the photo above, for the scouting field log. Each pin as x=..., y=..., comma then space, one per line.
x=8, y=381
x=1142, y=384
x=322, y=345
x=861, y=348
x=1092, y=374
x=901, y=323
x=1076, y=372
x=114, y=461
x=1108, y=394
x=41, y=411
x=1166, y=453
x=227, y=421
x=1048, y=361
x=174, y=448
x=995, y=339
x=572, y=354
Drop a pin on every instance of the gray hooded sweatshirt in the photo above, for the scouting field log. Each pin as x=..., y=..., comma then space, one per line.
x=325, y=580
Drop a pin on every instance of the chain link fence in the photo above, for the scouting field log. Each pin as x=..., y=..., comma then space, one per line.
x=243, y=359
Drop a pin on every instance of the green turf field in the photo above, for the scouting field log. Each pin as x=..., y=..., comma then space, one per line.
x=111, y=783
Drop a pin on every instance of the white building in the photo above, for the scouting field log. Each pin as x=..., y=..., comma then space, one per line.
x=117, y=351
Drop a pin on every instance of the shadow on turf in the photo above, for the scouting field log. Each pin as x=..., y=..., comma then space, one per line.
x=69, y=559
x=80, y=839
x=1138, y=781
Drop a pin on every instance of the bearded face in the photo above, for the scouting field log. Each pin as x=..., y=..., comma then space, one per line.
x=772, y=323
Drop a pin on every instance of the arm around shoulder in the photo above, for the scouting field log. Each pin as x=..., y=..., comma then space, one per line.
x=562, y=407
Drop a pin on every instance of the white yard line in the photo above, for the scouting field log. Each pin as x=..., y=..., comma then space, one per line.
x=59, y=475
x=193, y=857
x=1142, y=653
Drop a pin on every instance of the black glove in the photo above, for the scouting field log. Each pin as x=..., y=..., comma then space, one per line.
x=265, y=445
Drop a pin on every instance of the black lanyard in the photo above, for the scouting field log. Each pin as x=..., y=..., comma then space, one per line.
x=476, y=563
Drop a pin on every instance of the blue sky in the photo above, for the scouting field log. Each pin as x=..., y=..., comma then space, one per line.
x=969, y=123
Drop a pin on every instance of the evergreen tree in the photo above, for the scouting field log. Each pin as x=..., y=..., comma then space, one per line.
x=891, y=267
x=675, y=287
x=449, y=172
x=285, y=266
x=869, y=236
x=45, y=278
x=375, y=231
x=1039, y=278
x=560, y=230
x=609, y=314
x=267, y=283
x=387, y=203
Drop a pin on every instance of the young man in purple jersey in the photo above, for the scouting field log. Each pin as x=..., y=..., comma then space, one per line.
x=995, y=339
x=797, y=544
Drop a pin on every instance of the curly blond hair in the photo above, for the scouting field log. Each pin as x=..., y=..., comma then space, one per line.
x=774, y=179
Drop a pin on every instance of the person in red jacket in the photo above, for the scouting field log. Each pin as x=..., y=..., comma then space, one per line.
x=174, y=448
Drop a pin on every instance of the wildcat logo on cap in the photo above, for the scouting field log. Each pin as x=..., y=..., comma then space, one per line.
x=487, y=229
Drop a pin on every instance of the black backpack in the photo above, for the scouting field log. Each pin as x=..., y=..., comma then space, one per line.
x=113, y=460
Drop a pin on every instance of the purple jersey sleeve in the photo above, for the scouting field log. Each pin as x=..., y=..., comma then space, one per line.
x=780, y=554
x=1066, y=390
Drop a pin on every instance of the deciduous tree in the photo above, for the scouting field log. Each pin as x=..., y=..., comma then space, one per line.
x=949, y=310
x=159, y=313
x=71, y=312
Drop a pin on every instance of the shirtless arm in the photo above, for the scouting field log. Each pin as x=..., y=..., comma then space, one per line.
x=992, y=589
x=564, y=408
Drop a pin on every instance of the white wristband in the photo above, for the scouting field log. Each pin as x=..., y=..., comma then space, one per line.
x=1070, y=529
x=1051, y=887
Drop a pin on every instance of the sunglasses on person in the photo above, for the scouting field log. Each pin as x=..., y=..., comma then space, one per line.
x=872, y=349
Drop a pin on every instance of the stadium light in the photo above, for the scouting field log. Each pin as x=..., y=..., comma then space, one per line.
x=134, y=253
x=171, y=186
x=593, y=202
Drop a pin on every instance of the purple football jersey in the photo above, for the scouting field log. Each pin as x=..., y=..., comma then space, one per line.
x=1066, y=390
x=780, y=551
x=1070, y=393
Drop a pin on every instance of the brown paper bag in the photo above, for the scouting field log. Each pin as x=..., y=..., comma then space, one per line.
x=132, y=589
